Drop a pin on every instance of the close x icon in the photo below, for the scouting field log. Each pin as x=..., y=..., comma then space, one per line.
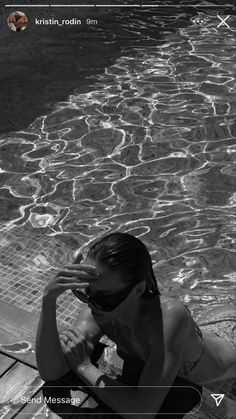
x=223, y=21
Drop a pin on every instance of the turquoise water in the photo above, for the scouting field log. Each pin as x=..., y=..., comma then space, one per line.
x=148, y=149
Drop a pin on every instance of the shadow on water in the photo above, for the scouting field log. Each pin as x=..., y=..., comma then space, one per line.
x=45, y=63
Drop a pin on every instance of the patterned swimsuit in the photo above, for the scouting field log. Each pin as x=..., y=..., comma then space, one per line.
x=186, y=367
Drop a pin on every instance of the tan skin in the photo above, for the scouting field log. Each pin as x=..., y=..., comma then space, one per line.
x=171, y=329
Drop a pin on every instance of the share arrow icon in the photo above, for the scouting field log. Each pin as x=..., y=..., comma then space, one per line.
x=218, y=398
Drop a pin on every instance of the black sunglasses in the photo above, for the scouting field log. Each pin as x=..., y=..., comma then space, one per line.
x=104, y=306
x=85, y=298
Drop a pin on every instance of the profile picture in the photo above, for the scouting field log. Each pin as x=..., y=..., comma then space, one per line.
x=17, y=21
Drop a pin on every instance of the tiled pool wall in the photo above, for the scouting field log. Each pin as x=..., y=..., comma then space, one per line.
x=27, y=263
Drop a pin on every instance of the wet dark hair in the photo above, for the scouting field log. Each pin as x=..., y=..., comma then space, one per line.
x=126, y=253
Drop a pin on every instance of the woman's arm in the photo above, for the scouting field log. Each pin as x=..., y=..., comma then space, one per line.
x=49, y=356
x=49, y=353
x=157, y=376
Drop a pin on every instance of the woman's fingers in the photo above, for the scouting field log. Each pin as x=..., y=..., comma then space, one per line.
x=67, y=280
x=63, y=339
x=66, y=351
x=64, y=346
x=78, y=258
x=64, y=280
x=72, y=336
x=76, y=332
x=81, y=267
x=70, y=272
x=73, y=286
x=70, y=344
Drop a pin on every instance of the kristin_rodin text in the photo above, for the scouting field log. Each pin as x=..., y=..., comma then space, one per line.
x=64, y=22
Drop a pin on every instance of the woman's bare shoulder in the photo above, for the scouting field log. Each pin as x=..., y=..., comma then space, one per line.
x=173, y=325
x=173, y=312
x=172, y=306
x=169, y=306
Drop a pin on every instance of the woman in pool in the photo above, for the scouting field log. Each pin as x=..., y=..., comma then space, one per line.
x=123, y=302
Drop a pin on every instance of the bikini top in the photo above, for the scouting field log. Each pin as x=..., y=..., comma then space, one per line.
x=123, y=335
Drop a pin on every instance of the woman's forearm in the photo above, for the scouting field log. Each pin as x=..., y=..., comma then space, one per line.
x=50, y=359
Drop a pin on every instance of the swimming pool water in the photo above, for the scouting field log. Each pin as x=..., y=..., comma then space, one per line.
x=149, y=149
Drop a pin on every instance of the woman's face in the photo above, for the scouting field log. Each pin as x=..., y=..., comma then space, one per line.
x=110, y=287
x=21, y=22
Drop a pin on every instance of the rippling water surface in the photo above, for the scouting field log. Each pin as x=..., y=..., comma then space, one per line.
x=148, y=149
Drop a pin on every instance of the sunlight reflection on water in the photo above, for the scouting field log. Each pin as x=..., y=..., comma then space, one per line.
x=149, y=151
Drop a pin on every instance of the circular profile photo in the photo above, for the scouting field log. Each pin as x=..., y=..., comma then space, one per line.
x=17, y=21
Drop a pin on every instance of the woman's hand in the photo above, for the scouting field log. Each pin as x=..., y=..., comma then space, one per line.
x=77, y=348
x=74, y=276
